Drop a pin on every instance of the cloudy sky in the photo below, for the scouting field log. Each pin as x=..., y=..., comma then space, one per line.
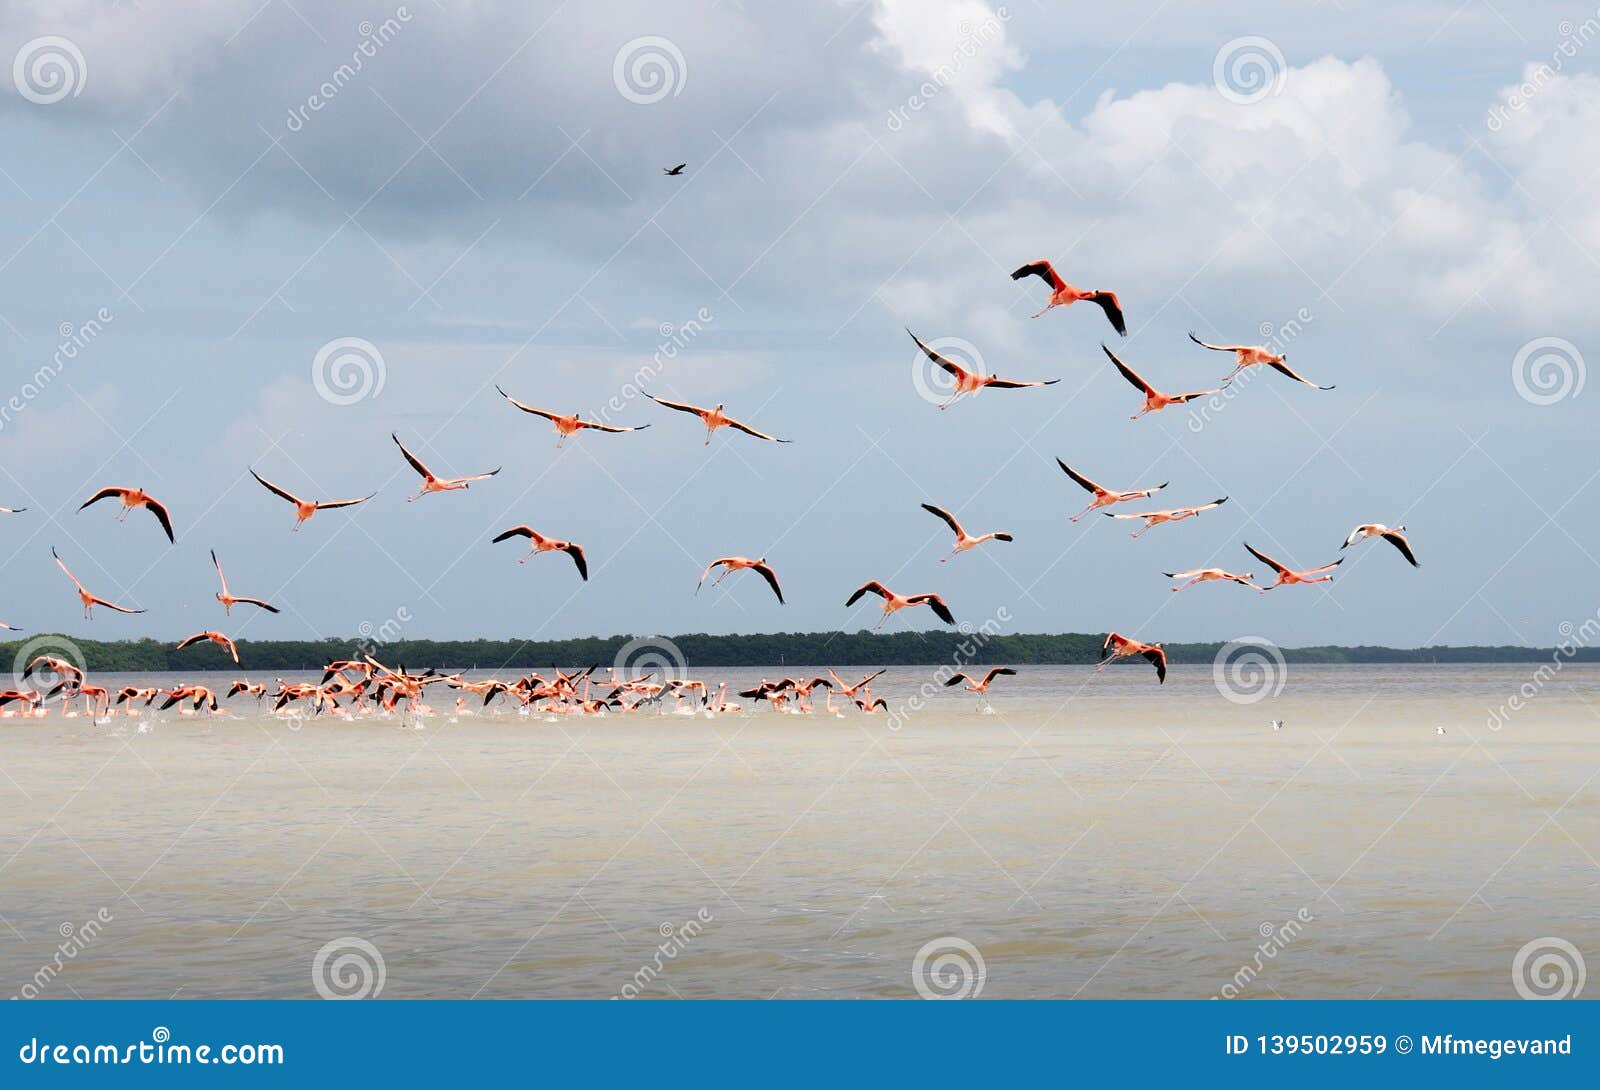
x=209, y=197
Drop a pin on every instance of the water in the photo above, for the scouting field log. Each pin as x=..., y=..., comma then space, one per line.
x=1095, y=837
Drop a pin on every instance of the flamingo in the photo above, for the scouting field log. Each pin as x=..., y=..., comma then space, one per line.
x=433, y=483
x=714, y=419
x=893, y=602
x=1118, y=646
x=1287, y=577
x=850, y=690
x=970, y=382
x=542, y=544
x=132, y=498
x=215, y=637
x=304, y=509
x=673, y=172
x=980, y=687
x=567, y=425
x=198, y=694
x=9, y=627
x=1105, y=497
x=1175, y=514
x=51, y=664
x=256, y=690
x=89, y=600
x=731, y=564
x=230, y=600
x=1063, y=294
x=12, y=510
x=1248, y=355
x=1208, y=575
x=1154, y=400
x=964, y=540
x=1395, y=536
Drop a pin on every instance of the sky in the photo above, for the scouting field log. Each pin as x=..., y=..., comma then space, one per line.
x=263, y=234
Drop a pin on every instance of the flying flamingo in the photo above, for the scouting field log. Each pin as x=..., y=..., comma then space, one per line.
x=714, y=419
x=1105, y=497
x=1395, y=536
x=850, y=690
x=304, y=509
x=1063, y=294
x=1248, y=355
x=433, y=483
x=229, y=600
x=542, y=544
x=731, y=564
x=1208, y=575
x=89, y=600
x=970, y=382
x=1176, y=514
x=132, y=498
x=215, y=637
x=893, y=602
x=12, y=510
x=1118, y=646
x=1154, y=400
x=980, y=687
x=964, y=540
x=51, y=664
x=567, y=425
x=1286, y=577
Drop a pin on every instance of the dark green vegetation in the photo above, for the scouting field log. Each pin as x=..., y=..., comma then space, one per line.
x=699, y=650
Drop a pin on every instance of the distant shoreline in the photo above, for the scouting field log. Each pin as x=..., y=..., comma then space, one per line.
x=695, y=651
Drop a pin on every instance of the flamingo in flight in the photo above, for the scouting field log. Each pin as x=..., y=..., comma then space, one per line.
x=215, y=637
x=1105, y=497
x=1209, y=575
x=1395, y=536
x=970, y=382
x=980, y=687
x=434, y=483
x=230, y=600
x=893, y=602
x=850, y=690
x=1248, y=355
x=1154, y=400
x=12, y=510
x=304, y=509
x=567, y=425
x=542, y=544
x=673, y=172
x=1063, y=294
x=89, y=600
x=1153, y=519
x=964, y=540
x=1288, y=577
x=1118, y=646
x=714, y=419
x=132, y=498
x=731, y=564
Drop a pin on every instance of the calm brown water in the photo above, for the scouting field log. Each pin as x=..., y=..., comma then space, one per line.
x=1095, y=837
